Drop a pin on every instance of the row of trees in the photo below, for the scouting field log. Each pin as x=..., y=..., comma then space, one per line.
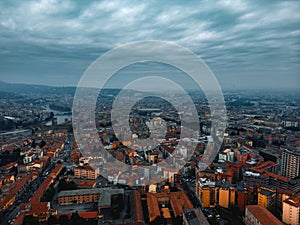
x=75, y=219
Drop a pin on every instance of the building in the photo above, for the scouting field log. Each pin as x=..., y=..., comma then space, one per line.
x=269, y=155
x=56, y=171
x=226, y=195
x=163, y=203
x=267, y=198
x=104, y=199
x=38, y=194
x=194, y=217
x=290, y=211
x=242, y=197
x=171, y=175
x=86, y=171
x=79, y=196
x=258, y=215
x=86, y=184
x=207, y=193
x=15, y=192
x=290, y=163
x=40, y=210
x=100, y=195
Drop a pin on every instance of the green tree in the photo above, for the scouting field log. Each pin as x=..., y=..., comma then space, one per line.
x=76, y=219
x=52, y=220
x=63, y=220
x=30, y=220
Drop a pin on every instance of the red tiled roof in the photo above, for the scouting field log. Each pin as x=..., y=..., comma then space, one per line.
x=40, y=191
x=15, y=190
x=57, y=169
x=293, y=201
x=264, y=216
x=85, y=167
x=9, y=165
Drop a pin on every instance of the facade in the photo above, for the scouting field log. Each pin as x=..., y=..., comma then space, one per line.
x=226, y=197
x=86, y=171
x=79, y=196
x=171, y=175
x=291, y=211
x=258, y=215
x=267, y=198
x=207, y=193
x=242, y=198
x=290, y=163
x=102, y=196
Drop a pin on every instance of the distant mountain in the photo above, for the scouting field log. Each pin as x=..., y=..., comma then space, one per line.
x=31, y=89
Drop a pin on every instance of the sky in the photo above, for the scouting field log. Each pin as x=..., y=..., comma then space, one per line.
x=247, y=44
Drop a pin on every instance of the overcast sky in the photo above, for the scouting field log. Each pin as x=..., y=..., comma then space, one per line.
x=247, y=44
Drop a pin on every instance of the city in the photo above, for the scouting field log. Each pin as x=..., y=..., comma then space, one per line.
x=45, y=178
x=127, y=112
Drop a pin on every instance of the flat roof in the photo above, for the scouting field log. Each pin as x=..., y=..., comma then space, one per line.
x=79, y=192
x=105, y=196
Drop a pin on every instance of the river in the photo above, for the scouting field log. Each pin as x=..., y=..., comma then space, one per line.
x=59, y=115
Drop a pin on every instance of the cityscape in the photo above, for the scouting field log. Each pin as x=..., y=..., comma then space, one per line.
x=47, y=180
x=152, y=154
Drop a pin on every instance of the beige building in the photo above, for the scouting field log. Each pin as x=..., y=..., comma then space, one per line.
x=170, y=174
x=79, y=196
x=258, y=215
x=290, y=211
x=100, y=195
x=86, y=171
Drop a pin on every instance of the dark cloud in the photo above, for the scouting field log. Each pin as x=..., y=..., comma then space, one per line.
x=53, y=42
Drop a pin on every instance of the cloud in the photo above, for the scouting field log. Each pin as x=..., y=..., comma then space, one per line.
x=230, y=35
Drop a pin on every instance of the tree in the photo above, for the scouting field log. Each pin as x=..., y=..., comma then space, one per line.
x=30, y=220
x=64, y=185
x=63, y=220
x=52, y=220
x=76, y=219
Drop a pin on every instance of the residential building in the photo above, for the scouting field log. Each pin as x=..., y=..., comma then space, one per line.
x=86, y=171
x=290, y=163
x=291, y=211
x=258, y=215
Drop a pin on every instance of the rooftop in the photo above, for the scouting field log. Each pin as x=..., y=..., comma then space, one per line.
x=105, y=194
x=293, y=201
x=264, y=216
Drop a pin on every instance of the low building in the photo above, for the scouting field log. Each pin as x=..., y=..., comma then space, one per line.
x=86, y=184
x=86, y=171
x=79, y=196
x=258, y=215
x=100, y=195
x=40, y=210
x=158, y=202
